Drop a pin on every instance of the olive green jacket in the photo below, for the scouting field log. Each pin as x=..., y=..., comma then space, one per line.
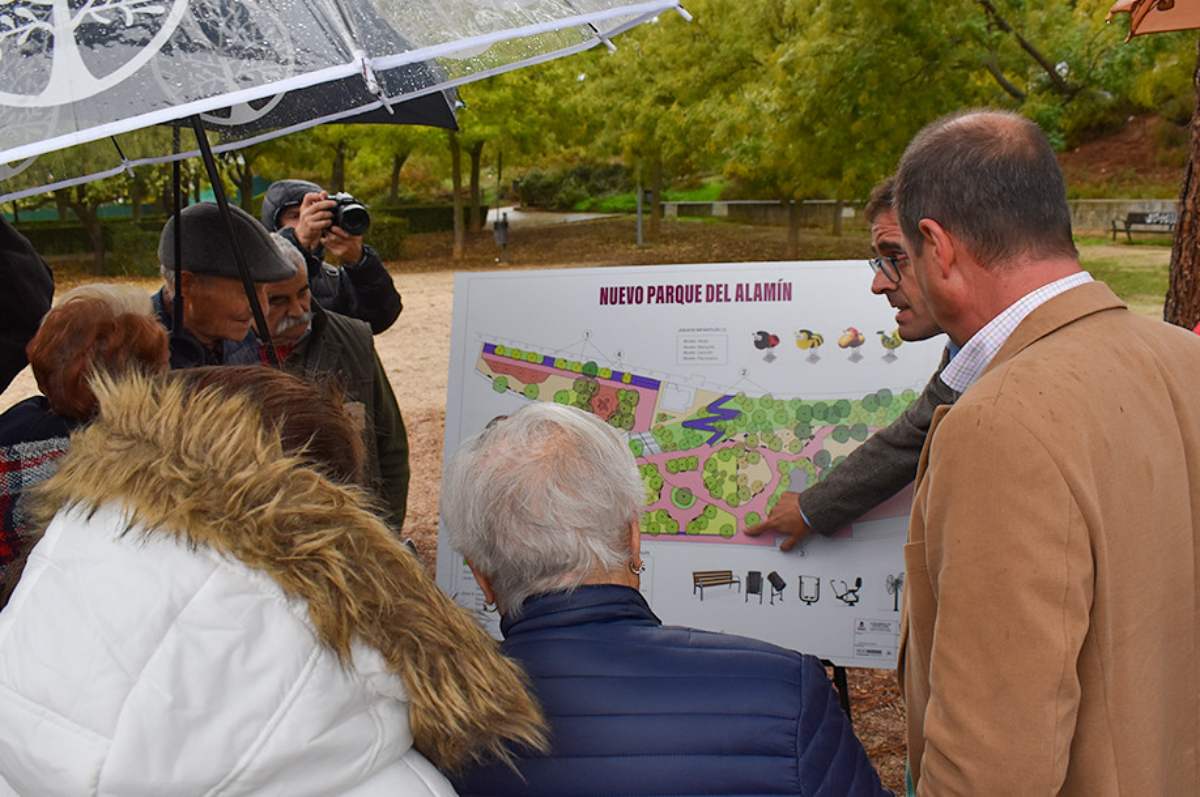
x=343, y=347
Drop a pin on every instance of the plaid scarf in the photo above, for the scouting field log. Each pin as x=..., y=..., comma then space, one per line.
x=22, y=466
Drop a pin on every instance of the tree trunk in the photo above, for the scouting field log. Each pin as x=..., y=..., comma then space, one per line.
x=16, y=212
x=992, y=65
x=90, y=219
x=62, y=203
x=196, y=187
x=245, y=175
x=1183, y=292
x=338, y=179
x=476, y=153
x=456, y=182
x=137, y=192
x=837, y=218
x=398, y=161
x=656, y=185
x=793, y=239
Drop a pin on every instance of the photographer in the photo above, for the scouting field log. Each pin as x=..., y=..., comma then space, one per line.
x=308, y=217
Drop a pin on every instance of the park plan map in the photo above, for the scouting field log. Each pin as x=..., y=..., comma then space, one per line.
x=719, y=463
x=732, y=384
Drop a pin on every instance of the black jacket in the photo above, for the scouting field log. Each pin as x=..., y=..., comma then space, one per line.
x=362, y=290
x=25, y=298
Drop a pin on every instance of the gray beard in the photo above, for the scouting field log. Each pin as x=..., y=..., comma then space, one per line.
x=290, y=322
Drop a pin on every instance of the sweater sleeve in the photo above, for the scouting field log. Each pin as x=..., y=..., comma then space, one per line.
x=879, y=468
x=829, y=757
x=374, y=295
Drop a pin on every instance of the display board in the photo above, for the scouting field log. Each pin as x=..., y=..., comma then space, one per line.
x=733, y=383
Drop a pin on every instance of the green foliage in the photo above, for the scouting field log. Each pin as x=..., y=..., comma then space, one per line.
x=568, y=187
x=417, y=218
x=132, y=251
x=387, y=236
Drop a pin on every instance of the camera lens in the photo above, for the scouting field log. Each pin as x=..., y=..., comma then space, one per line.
x=353, y=218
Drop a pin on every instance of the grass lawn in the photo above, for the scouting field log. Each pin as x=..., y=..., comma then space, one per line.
x=1137, y=272
x=709, y=191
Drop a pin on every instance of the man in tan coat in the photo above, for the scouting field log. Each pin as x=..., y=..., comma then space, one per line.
x=1049, y=643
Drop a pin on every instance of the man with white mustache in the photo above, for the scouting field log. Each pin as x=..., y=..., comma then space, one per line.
x=317, y=344
x=887, y=462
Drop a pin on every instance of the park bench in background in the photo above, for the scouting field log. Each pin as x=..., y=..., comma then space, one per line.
x=714, y=578
x=1158, y=221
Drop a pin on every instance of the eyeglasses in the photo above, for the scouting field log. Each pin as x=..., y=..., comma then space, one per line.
x=888, y=266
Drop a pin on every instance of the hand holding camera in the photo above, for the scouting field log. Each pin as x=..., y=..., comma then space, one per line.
x=337, y=221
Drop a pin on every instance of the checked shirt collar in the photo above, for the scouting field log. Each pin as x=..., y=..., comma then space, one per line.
x=971, y=361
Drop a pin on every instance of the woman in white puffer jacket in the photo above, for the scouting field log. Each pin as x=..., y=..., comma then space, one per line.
x=212, y=610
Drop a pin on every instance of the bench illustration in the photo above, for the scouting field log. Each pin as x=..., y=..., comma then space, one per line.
x=714, y=578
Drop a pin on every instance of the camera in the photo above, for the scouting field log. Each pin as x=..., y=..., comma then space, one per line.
x=350, y=214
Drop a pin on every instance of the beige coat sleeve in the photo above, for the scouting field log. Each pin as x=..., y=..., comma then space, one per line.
x=1010, y=565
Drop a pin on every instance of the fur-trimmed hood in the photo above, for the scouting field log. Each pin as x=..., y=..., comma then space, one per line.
x=203, y=469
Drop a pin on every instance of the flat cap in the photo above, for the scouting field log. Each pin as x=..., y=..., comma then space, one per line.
x=208, y=250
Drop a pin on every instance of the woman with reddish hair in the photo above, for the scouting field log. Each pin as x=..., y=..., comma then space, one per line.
x=94, y=328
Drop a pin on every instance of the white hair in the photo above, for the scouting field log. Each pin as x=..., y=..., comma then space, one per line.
x=290, y=253
x=168, y=276
x=120, y=299
x=541, y=500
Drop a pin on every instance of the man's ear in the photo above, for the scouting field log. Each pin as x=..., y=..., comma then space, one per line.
x=485, y=584
x=943, y=249
x=635, y=542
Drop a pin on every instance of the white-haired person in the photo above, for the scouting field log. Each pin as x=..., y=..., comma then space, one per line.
x=543, y=505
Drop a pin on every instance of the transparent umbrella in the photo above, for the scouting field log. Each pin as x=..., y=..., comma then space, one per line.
x=96, y=72
x=116, y=77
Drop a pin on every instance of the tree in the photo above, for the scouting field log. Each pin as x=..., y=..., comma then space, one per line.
x=829, y=116
x=646, y=103
x=511, y=113
x=85, y=201
x=456, y=189
x=1183, y=292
